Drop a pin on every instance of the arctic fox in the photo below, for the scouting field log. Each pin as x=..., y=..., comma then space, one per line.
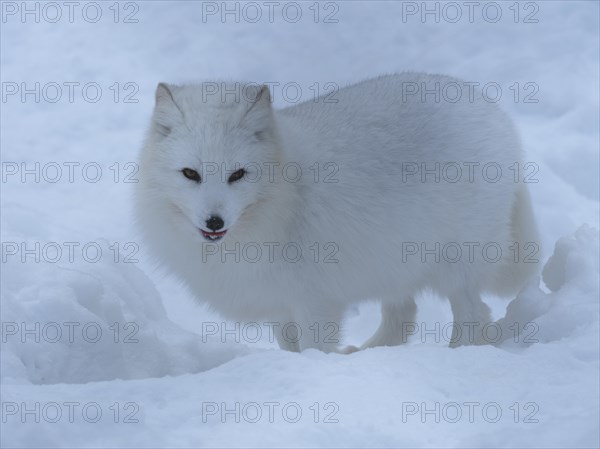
x=379, y=192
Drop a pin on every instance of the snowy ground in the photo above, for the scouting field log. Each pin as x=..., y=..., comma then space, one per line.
x=154, y=377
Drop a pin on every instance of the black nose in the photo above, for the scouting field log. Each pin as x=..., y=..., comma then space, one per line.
x=214, y=223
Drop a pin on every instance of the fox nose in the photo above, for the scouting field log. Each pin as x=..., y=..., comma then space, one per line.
x=214, y=223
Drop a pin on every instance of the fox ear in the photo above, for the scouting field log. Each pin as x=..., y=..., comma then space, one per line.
x=259, y=103
x=163, y=94
x=164, y=117
x=263, y=95
x=259, y=113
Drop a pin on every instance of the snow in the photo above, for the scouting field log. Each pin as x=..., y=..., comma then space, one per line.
x=157, y=373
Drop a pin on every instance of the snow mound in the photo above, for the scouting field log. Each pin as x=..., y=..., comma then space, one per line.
x=572, y=275
x=86, y=322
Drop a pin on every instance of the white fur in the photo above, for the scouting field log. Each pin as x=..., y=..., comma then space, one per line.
x=368, y=214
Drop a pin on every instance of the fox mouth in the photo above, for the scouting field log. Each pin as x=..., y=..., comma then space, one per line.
x=213, y=236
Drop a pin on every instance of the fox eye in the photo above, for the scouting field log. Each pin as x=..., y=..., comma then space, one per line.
x=191, y=174
x=236, y=176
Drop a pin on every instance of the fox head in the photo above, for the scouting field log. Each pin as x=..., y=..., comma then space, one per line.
x=210, y=154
